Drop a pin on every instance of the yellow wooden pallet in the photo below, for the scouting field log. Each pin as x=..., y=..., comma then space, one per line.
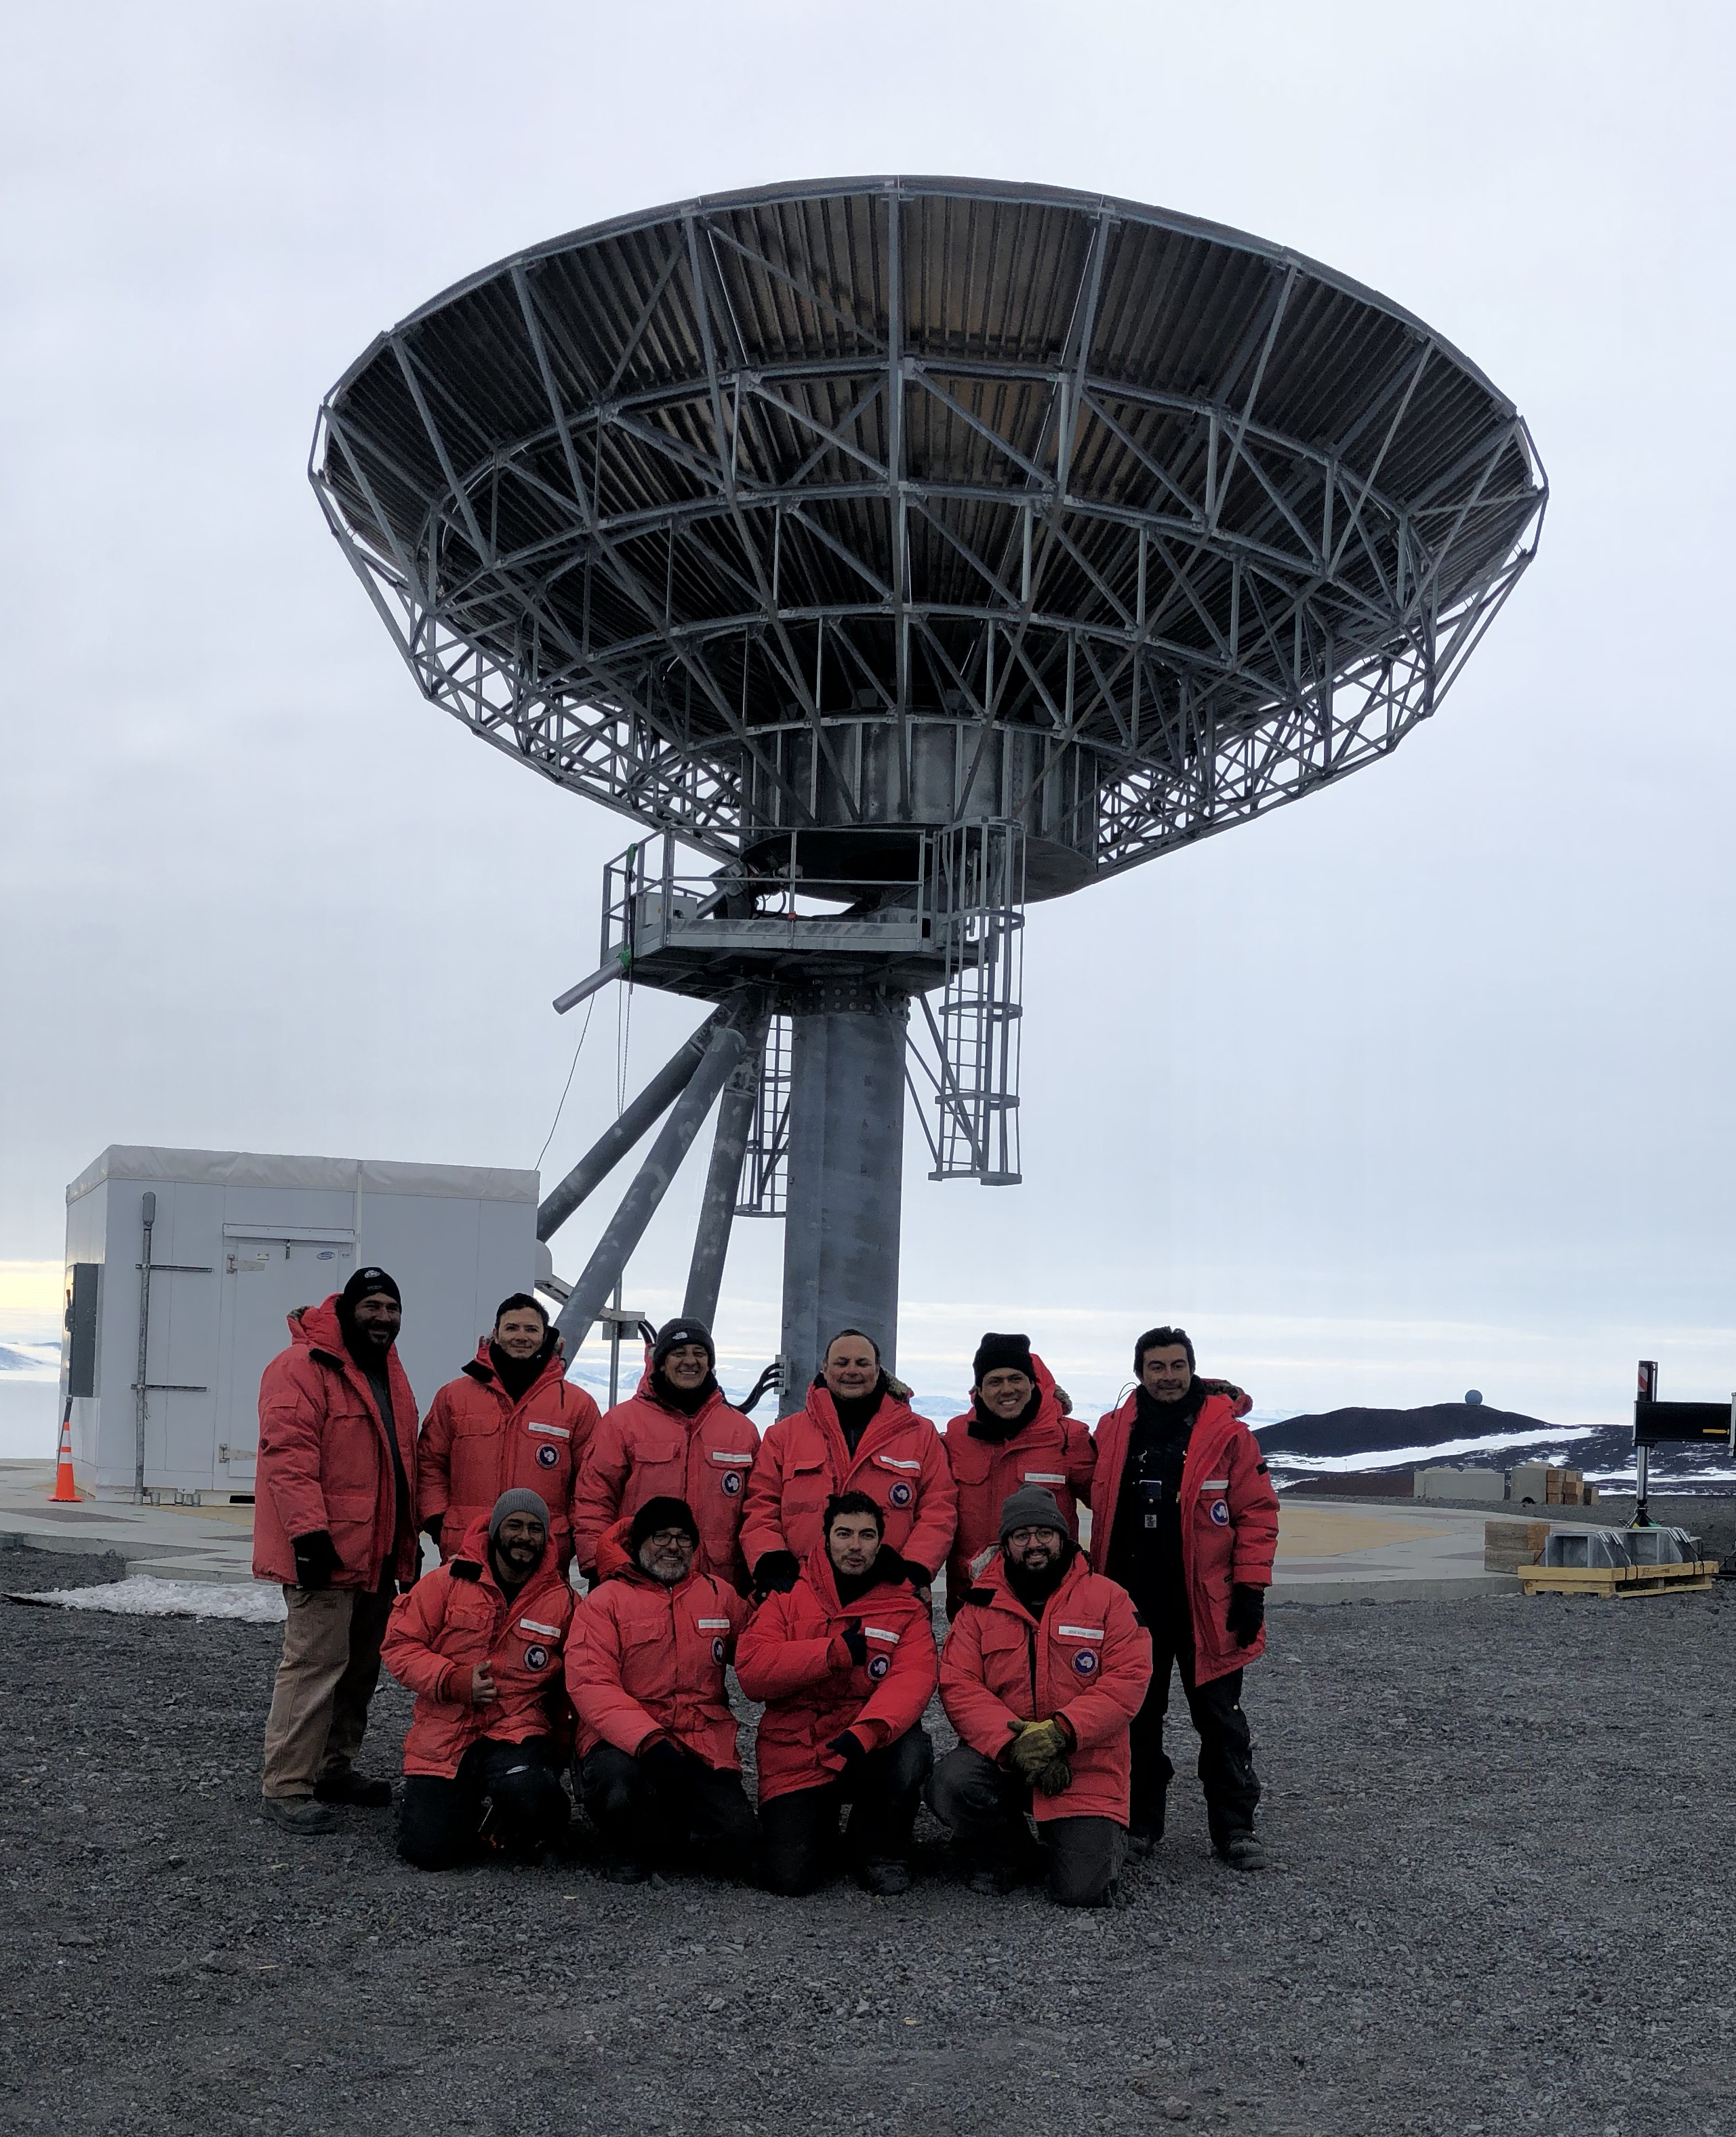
x=1682, y=1578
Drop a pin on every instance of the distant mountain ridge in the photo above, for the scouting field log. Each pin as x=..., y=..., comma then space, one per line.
x=1357, y=1431
x=1467, y=1436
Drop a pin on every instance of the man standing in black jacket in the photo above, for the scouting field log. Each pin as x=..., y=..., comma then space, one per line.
x=1142, y=1495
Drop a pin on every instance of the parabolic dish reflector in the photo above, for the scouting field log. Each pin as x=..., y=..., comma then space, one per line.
x=917, y=500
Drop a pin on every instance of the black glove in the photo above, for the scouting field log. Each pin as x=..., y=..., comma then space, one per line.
x=890, y=1565
x=663, y=1759
x=316, y=1559
x=431, y=1528
x=850, y=1747
x=776, y=1573
x=856, y=1640
x=1247, y=1613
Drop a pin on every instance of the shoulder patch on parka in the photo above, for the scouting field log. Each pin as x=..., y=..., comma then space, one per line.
x=478, y=1371
x=464, y=1569
x=984, y=1596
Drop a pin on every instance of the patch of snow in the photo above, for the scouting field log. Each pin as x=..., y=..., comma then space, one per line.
x=1442, y=1451
x=31, y=1362
x=143, y=1595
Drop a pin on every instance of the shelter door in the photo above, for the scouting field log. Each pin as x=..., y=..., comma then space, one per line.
x=264, y=1279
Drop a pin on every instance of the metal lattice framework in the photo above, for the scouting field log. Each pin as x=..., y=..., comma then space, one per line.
x=927, y=499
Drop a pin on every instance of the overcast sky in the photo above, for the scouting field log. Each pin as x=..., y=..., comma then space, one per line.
x=1422, y=1085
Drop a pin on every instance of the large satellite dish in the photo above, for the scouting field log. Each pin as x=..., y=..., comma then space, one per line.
x=908, y=547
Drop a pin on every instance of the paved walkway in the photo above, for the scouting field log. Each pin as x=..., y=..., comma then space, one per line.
x=1330, y=1551
x=177, y=1543
x=1344, y=1550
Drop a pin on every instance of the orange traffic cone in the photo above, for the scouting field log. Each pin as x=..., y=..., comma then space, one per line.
x=65, y=1492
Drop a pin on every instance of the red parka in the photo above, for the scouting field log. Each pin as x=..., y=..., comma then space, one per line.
x=324, y=1461
x=478, y=1443
x=1229, y=1522
x=793, y=1655
x=642, y=1449
x=459, y=1617
x=1088, y=1662
x=899, y=1461
x=645, y=1660
x=1054, y=1451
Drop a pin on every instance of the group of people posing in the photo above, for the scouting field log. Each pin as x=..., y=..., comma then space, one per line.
x=805, y=1558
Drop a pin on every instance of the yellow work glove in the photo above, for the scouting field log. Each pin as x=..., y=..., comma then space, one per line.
x=1036, y=1744
x=1055, y=1777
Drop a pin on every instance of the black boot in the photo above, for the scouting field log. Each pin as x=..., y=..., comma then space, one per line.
x=1146, y=1827
x=1242, y=1850
x=350, y=1787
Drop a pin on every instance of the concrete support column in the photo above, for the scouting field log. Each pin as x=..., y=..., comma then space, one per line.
x=846, y=1175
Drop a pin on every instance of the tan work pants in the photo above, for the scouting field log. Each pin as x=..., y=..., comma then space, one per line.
x=329, y=1667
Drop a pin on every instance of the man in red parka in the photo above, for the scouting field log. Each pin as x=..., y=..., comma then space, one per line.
x=1184, y=1515
x=334, y=1525
x=1044, y=1668
x=1016, y=1432
x=510, y=1420
x=480, y=1642
x=854, y=1434
x=677, y=1437
x=659, y=1768
x=845, y=1664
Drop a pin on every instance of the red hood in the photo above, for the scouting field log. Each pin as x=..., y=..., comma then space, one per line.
x=821, y=1576
x=481, y=1367
x=893, y=1409
x=613, y=1556
x=1238, y=1399
x=475, y=1549
x=993, y=1577
x=646, y=1391
x=627, y=1571
x=317, y=1328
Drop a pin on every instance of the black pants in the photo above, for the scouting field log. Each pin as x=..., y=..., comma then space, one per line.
x=984, y=1807
x=884, y=1790
x=511, y=1791
x=1225, y=1749
x=650, y=1816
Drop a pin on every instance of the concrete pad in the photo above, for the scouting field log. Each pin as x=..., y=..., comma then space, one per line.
x=1342, y=1551
x=177, y=1543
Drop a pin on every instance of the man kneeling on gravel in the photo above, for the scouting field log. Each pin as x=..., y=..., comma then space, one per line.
x=845, y=1663
x=1043, y=1672
x=480, y=1642
x=659, y=1769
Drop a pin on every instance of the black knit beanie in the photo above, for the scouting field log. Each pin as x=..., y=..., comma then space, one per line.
x=998, y=1354
x=664, y=1513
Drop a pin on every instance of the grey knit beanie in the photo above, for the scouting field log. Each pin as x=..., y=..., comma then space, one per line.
x=517, y=1501
x=1031, y=1507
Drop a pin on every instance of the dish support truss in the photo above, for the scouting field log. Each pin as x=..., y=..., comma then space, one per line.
x=809, y=1054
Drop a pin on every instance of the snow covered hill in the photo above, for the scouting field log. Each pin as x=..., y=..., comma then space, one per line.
x=1470, y=1436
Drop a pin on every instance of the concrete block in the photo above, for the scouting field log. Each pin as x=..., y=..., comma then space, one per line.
x=1459, y=1484
x=1507, y=1546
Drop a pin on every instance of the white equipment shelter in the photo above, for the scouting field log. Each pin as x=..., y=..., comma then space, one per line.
x=163, y=1369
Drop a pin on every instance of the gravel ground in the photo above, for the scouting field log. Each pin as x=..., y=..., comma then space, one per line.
x=1492, y=1823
